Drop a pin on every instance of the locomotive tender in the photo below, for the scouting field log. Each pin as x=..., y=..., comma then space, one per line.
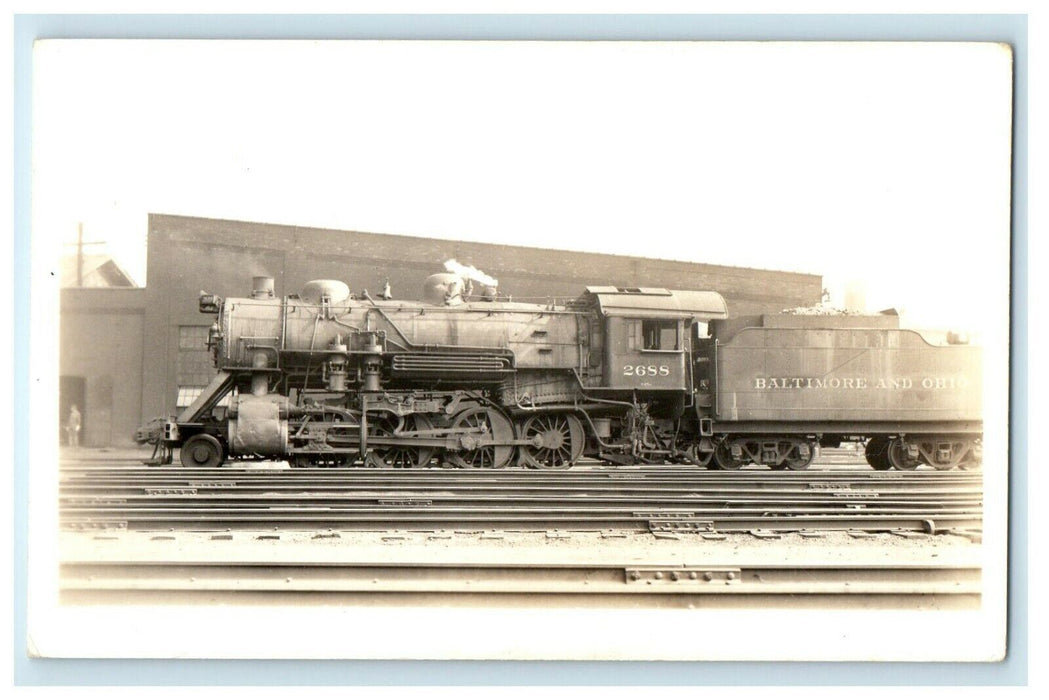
x=625, y=375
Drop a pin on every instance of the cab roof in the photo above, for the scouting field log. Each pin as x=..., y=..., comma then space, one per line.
x=656, y=302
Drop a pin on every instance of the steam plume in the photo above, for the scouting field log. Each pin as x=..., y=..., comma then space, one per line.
x=470, y=272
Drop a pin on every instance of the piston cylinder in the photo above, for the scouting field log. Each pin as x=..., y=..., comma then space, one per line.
x=258, y=425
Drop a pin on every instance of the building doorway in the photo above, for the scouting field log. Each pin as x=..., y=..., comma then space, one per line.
x=71, y=391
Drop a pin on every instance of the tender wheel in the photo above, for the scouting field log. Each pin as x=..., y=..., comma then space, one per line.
x=896, y=454
x=961, y=455
x=401, y=456
x=800, y=457
x=201, y=452
x=483, y=423
x=971, y=460
x=557, y=441
x=723, y=458
x=876, y=453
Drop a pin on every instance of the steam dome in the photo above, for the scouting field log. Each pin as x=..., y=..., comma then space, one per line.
x=443, y=288
x=336, y=291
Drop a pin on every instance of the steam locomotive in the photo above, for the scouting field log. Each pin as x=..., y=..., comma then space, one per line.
x=624, y=375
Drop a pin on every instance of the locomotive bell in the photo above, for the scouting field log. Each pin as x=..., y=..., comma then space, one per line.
x=443, y=288
x=262, y=287
x=214, y=338
x=315, y=291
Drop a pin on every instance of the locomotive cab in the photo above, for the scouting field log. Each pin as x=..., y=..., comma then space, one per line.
x=648, y=354
x=648, y=332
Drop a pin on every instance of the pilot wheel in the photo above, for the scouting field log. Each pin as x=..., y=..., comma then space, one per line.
x=202, y=451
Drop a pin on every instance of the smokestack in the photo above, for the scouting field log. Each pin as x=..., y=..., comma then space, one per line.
x=261, y=287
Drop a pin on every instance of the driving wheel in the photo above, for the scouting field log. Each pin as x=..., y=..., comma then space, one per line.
x=478, y=426
x=557, y=440
x=401, y=456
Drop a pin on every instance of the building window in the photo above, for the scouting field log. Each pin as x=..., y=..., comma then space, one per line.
x=659, y=334
x=194, y=366
x=188, y=394
x=193, y=337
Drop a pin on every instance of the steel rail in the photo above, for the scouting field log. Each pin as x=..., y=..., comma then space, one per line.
x=516, y=475
x=395, y=505
x=426, y=519
x=492, y=480
x=492, y=578
x=344, y=492
x=524, y=473
x=446, y=491
x=174, y=498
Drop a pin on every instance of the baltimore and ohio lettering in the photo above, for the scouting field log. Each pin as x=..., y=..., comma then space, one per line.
x=860, y=383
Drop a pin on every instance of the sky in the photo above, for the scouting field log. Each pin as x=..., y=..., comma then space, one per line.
x=882, y=167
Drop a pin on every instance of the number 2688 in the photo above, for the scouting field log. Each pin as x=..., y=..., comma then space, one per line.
x=646, y=371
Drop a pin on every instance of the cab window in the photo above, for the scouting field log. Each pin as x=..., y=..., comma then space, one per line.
x=659, y=334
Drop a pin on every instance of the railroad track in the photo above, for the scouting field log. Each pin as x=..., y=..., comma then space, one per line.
x=660, y=499
x=209, y=536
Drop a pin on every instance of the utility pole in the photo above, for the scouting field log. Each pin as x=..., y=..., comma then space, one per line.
x=80, y=252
